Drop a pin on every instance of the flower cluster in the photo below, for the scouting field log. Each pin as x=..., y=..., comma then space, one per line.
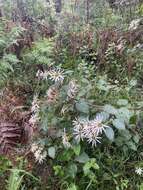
x=139, y=171
x=134, y=24
x=65, y=140
x=72, y=89
x=89, y=129
x=56, y=75
x=39, y=153
x=34, y=119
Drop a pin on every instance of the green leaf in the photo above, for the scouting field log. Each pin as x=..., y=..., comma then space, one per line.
x=132, y=145
x=122, y=102
x=119, y=124
x=109, y=133
x=91, y=164
x=72, y=170
x=58, y=170
x=52, y=152
x=124, y=114
x=72, y=187
x=110, y=109
x=141, y=186
x=10, y=58
x=83, y=158
x=105, y=116
x=136, y=138
x=77, y=149
x=66, y=155
x=82, y=106
x=125, y=134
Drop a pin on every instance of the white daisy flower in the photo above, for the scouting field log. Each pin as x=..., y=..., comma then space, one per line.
x=78, y=130
x=56, y=75
x=93, y=140
x=89, y=129
x=139, y=171
x=97, y=123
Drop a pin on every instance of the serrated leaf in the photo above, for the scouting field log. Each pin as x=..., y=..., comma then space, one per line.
x=109, y=133
x=119, y=124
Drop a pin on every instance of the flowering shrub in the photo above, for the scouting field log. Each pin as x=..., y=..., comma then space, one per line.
x=74, y=126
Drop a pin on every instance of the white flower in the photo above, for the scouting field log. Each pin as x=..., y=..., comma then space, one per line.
x=34, y=119
x=34, y=147
x=134, y=24
x=78, y=130
x=40, y=156
x=65, y=140
x=56, y=75
x=139, y=171
x=64, y=109
x=42, y=75
x=39, y=153
x=39, y=74
x=35, y=106
x=97, y=123
x=93, y=140
x=89, y=129
x=72, y=89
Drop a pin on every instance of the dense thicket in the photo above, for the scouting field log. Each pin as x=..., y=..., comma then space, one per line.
x=71, y=94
